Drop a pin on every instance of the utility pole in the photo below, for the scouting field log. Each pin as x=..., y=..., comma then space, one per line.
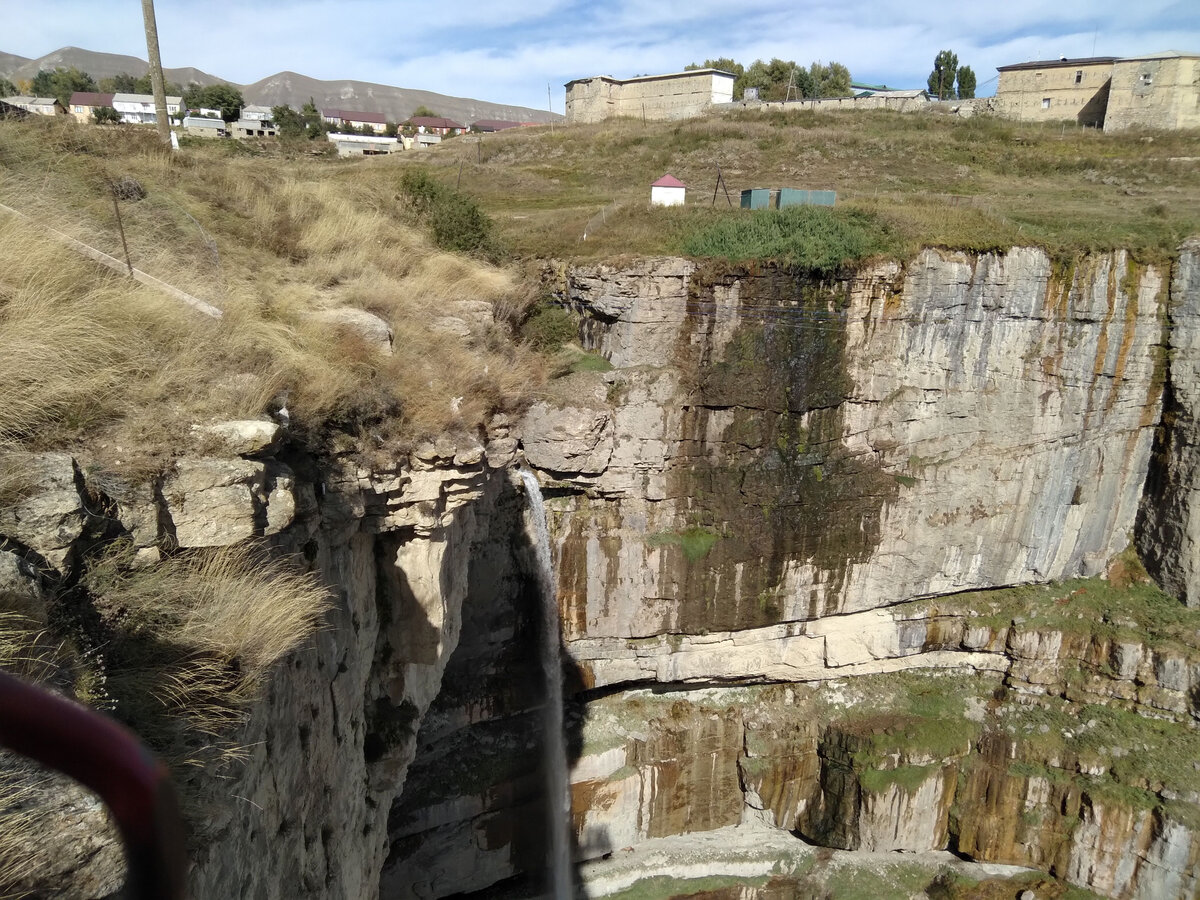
x=156, y=73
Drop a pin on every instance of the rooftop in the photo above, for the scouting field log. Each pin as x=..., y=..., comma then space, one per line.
x=90, y=98
x=352, y=115
x=1060, y=63
x=433, y=122
x=685, y=73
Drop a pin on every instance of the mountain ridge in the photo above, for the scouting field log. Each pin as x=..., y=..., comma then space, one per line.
x=286, y=87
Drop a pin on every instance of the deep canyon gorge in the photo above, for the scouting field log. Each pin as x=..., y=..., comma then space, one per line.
x=843, y=567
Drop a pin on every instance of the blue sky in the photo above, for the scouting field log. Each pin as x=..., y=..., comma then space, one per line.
x=509, y=50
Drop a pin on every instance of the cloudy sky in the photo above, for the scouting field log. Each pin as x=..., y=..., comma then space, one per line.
x=509, y=50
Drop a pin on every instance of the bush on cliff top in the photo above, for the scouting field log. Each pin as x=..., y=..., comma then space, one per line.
x=810, y=237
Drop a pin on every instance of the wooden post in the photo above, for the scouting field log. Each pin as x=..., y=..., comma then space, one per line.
x=156, y=73
x=459, y=181
x=120, y=226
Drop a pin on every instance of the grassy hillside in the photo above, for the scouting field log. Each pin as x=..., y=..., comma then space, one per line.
x=269, y=241
x=926, y=178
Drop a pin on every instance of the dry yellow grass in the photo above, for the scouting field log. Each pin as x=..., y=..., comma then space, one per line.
x=190, y=642
x=267, y=241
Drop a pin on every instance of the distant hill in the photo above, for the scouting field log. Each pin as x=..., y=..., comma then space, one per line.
x=287, y=87
x=98, y=65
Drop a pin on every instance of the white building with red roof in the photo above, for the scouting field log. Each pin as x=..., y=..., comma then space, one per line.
x=667, y=191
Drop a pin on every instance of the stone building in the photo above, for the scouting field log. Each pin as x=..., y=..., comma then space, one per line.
x=679, y=95
x=1161, y=90
x=1056, y=89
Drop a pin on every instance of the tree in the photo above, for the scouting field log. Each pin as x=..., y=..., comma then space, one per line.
x=832, y=80
x=121, y=83
x=224, y=97
x=423, y=110
x=315, y=125
x=966, y=83
x=105, y=115
x=725, y=64
x=941, y=79
x=7, y=88
x=288, y=122
x=61, y=83
x=391, y=129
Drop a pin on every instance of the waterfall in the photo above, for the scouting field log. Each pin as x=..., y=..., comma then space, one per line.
x=554, y=748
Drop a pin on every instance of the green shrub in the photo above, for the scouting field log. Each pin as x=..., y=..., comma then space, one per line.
x=455, y=220
x=549, y=326
x=813, y=237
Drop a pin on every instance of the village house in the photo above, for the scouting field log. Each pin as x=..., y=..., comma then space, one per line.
x=39, y=106
x=205, y=126
x=354, y=119
x=84, y=104
x=251, y=128
x=679, y=95
x=255, y=113
x=435, y=125
x=138, y=109
x=1161, y=90
x=668, y=191
x=364, y=144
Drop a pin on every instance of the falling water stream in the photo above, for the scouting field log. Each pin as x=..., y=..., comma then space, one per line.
x=554, y=747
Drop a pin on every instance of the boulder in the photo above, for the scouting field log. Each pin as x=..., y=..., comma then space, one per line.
x=49, y=516
x=242, y=437
x=372, y=329
x=567, y=438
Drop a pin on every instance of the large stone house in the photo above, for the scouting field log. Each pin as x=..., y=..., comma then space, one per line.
x=1051, y=90
x=679, y=95
x=1161, y=90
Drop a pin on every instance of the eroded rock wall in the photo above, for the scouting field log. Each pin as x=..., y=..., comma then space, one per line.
x=774, y=450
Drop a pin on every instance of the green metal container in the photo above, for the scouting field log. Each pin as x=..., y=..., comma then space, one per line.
x=796, y=197
x=756, y=198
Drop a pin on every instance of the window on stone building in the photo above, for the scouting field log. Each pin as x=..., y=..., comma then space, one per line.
x=1147, y=78
x=1045, y=103
x=1079, y=76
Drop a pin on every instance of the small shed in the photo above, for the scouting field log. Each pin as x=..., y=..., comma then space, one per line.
x=667, y=191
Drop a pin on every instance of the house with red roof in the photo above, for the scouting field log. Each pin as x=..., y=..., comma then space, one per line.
x=341, y=118
x=435, y=125
x=667, y=191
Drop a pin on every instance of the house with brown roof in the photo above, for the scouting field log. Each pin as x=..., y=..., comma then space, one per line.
x=435, y=125
x=488, y=126
x=342, y=118
x=1051, y=90
x=83, y=105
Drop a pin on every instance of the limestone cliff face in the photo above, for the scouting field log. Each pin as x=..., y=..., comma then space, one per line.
x=770, y=450
x=1170, y=516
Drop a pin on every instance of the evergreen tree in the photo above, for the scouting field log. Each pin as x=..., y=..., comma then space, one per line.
x=941, y=79
x=966, y=83
x=7, y=88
